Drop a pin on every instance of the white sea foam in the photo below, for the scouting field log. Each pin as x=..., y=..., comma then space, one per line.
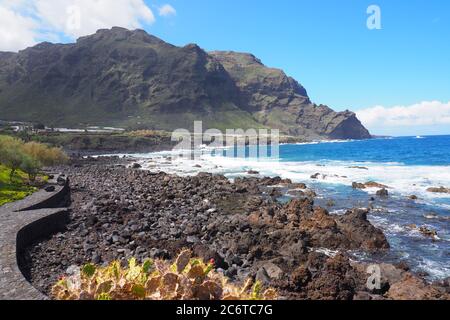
x=339, y=211
x=328, y=252
x=317, y=142
x=437, y=270
x=393, y=229
x=402, y=180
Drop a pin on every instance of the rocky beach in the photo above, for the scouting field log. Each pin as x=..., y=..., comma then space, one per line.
x=255, y=156
x=119, y=211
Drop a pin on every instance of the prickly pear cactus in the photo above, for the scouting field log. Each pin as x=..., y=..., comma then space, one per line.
x=186, y=279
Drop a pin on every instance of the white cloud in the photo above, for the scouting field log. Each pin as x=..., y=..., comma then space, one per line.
x=167, y=10
x=423, y=114
x=77, y=18
x=25, y=22
x=16, y=31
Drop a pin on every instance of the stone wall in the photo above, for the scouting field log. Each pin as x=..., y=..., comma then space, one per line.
x=21, y=223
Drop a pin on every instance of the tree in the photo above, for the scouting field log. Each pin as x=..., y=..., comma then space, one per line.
x=30, y=166
x=11, y=154
x=39, y=126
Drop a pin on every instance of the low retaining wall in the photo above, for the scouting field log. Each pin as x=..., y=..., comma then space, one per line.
x=21, y=223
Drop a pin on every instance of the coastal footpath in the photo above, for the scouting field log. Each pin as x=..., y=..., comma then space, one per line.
x=38, y=216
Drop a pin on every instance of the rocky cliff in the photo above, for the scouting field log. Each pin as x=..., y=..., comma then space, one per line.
x=132, y=79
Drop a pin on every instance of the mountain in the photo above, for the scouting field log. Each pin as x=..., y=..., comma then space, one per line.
x=131, y=79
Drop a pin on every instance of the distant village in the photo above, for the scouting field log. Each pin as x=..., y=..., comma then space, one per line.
x=39, y=128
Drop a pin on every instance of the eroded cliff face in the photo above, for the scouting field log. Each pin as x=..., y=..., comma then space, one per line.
x=279, y=101
x=132, y=79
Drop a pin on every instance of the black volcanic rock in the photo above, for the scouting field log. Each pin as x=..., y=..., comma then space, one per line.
x=132, y=79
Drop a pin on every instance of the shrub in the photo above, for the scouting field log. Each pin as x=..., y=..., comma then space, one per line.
x=186, y=279
x=47, y=156
x=148, y=133
x=30, y=157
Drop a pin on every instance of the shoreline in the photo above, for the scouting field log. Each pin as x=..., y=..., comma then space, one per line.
x=119, y=213
x=414, y=218
x=412, y=211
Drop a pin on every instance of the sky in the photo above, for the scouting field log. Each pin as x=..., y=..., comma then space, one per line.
x=395, y=75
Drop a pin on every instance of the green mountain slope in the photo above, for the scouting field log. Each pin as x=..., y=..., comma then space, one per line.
x=131, y=79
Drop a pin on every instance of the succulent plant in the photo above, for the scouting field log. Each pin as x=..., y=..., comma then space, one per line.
x=186, y=279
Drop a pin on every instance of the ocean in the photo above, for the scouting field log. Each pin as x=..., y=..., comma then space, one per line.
x=407, y=165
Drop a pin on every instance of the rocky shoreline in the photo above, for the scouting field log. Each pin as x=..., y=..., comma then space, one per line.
x=120, y=212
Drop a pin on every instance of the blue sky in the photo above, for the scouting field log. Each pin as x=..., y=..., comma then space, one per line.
x=325, y=45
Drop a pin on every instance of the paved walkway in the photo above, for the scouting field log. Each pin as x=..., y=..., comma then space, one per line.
x=21, y=223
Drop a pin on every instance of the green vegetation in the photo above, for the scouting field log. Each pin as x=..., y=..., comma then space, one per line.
x=20, y=165
x=15, y=189
x=102, y=142
x=186, y=279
